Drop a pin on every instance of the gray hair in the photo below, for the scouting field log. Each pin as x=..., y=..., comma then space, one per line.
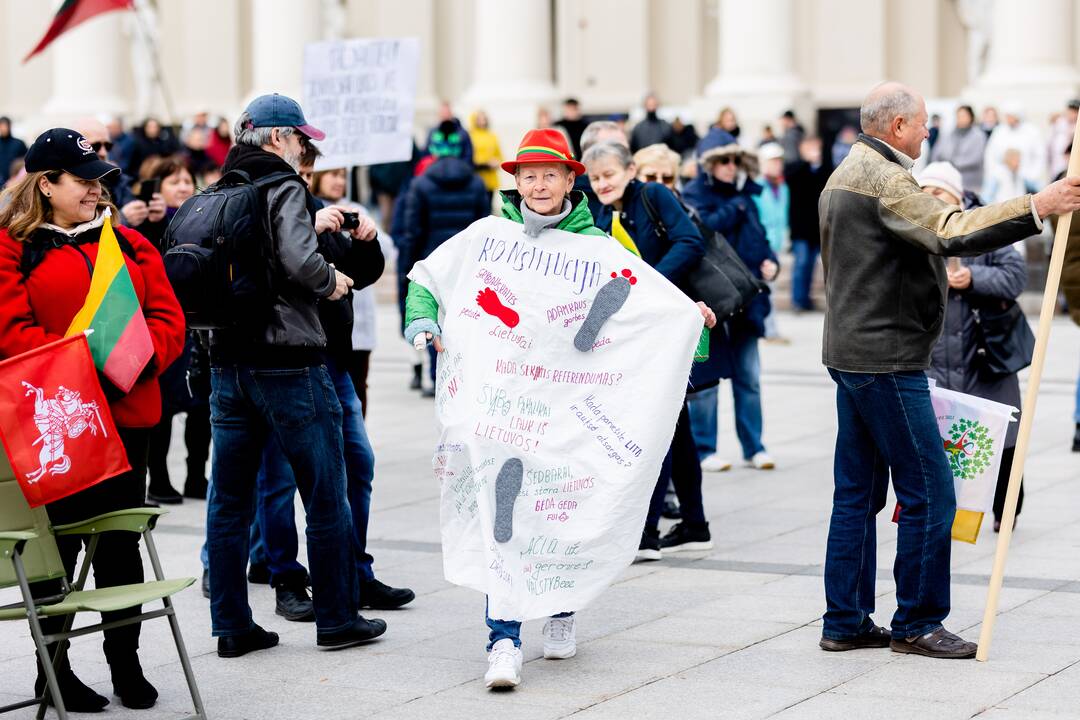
x=885, y=103
x=593, y=130
x=602, y=150
x=256, y=136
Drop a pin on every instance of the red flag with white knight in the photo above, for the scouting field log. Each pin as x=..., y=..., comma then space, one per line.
x=55, y=423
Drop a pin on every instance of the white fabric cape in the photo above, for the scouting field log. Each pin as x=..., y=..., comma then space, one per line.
x=591, y=428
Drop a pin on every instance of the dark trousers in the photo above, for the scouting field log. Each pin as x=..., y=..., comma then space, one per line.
x=683, y=469
x=299, y=408
x=196, y=440
x=1003, y=484
x=117, y=560
x=359, y=364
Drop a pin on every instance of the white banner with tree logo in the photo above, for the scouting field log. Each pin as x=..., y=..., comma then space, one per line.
x=565, y=366
x=973, y=434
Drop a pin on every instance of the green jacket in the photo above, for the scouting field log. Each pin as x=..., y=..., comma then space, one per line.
x=420, y=304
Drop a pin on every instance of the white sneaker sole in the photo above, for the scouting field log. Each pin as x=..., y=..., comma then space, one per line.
x=502, y=682
x=716, y=468
x=689, y=547
x=560, y=653
x=648, y=555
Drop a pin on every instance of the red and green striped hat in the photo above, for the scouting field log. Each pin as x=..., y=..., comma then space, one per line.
x=544, y=146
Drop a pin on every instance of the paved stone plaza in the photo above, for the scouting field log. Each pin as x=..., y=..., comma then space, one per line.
x=727, y=634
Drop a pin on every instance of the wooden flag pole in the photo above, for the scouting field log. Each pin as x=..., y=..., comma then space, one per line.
x=1038, y=360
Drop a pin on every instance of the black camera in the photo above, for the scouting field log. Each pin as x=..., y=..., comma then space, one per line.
x=351, y=221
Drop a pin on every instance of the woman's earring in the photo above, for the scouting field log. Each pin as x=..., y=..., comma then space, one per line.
x=48, y=195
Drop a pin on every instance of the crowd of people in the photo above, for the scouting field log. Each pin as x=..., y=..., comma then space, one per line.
x=281, y=400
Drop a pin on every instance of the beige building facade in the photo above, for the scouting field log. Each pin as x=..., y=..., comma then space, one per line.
x=513, y=57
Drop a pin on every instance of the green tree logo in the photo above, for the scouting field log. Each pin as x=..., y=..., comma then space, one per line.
x=969, y=448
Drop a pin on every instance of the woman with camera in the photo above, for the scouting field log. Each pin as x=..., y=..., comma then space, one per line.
x=50, y=224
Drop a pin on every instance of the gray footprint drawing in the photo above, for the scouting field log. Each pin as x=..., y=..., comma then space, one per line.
x=507, y=487
x=609, y=300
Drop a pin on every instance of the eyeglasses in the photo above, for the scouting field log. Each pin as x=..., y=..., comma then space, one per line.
x=726, y=159
x=98, y=145
x=665, y=178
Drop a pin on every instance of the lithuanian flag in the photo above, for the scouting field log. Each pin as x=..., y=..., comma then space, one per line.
x=120, y=343
x=75, y=12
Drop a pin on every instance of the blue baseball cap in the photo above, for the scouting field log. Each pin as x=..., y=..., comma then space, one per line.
x=280, y=111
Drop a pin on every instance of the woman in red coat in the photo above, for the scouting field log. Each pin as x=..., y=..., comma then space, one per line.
x=50, y=223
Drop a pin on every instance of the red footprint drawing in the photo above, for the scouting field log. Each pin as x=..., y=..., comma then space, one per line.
x=490, y=303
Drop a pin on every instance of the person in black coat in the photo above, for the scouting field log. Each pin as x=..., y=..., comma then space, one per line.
x=648, y=219
x=806, y=178
x=443, y=201
x=11, y=149
x=723, y=196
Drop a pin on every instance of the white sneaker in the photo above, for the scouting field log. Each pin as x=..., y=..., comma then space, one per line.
x=560, y=638
x=761, y=461
x=715, y=463
x=504, y=665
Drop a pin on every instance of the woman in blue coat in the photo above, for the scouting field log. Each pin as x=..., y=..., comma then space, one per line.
x=649, y=220
x=723, y=197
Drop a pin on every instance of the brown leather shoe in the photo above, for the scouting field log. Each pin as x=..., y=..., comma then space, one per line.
x=875, y=637
x=937, y=644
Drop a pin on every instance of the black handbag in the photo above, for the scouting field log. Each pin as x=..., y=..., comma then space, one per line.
x=1005, y=341
x=721, y=280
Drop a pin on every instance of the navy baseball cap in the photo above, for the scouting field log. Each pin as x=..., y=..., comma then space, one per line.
x=67, y=150
x=280, y=111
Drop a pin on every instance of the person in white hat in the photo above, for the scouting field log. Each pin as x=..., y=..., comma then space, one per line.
x=985, y=282
x=774, y=204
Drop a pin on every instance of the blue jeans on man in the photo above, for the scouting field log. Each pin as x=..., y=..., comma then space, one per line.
x=886, y=423
x=802, y=276
x=746, y=390
x=298, y=407
x=276, y=518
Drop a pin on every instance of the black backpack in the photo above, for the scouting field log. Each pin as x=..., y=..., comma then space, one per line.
x=722, y=281
x=219, y=259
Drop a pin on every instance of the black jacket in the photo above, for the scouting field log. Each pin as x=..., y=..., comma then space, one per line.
x=361, y=260
x=442, y=202
x=805, y=185
x=292, y=336
x=11, y=149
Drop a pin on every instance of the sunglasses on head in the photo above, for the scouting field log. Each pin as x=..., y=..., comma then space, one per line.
x=658, y=177
x=726, y=159
x=98, y=145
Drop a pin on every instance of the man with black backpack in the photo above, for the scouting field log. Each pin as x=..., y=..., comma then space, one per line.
x=269, y=378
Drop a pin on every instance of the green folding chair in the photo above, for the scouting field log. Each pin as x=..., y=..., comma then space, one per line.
x=28, y=554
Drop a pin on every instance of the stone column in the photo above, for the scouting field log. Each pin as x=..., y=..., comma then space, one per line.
x=756, y=78
x=1030, y=58
x=279, y=31
x=101, y=44
x=512, y=68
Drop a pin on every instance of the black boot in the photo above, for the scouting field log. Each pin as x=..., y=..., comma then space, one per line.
x=380, y=596
x=1076, y=439
x=417, y=371
x=77, y=696
x=129, y=684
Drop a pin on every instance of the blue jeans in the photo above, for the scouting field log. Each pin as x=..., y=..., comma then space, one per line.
x=277, y=489
x=502, y=629
x=746, y=390
x=299, y=409
x=886, y=423
x=802, y=276
x=704, y=423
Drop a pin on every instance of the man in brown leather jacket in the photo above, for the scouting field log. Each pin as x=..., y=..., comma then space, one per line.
x=883, y=243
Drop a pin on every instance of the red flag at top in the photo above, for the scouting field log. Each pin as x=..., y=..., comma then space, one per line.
x=55, y=423
x=73, y=12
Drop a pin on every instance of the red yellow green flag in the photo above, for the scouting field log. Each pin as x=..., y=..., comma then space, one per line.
x=121, y=343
